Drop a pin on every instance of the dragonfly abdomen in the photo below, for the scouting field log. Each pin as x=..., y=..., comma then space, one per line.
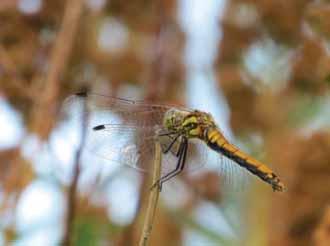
x=219, y=143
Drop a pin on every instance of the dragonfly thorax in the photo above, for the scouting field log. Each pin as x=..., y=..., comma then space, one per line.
x=190, y=124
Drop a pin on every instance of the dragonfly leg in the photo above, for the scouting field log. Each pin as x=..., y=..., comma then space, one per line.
x=171, y=144
x=180, y=165
x=180, y=151
x=167, y=134
x=179, y=154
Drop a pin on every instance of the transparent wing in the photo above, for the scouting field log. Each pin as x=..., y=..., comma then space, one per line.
x=135, y=146
x=128, y=128
x=137, y=113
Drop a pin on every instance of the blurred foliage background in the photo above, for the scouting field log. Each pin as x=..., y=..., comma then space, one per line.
x=269, y=62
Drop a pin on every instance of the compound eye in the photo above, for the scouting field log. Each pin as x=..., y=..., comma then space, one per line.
x=192, y=125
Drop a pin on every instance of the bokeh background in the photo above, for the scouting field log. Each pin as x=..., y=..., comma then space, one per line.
x=262, y=68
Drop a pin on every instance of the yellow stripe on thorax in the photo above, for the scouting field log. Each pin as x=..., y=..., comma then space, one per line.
x=188, y=120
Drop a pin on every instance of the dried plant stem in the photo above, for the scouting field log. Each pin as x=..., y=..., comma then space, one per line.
x=153, y=197
x=16, y=82
x=60, y=55
x=73, y=188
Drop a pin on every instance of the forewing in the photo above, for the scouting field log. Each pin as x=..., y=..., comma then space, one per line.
x=119, y=130
x=137, y=113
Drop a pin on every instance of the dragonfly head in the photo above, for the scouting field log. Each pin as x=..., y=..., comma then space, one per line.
x=191, y=124
x=173, y=119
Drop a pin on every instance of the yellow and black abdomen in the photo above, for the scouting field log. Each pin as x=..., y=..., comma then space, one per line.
x=218, y=142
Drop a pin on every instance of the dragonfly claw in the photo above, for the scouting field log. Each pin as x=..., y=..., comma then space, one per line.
x=157, y=184
x=279, y=187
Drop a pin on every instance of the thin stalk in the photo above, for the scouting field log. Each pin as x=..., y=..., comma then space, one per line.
x=153, y=197
x=73, y=188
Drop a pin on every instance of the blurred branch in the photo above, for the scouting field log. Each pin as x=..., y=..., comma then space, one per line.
x=6, y=5
x=208, y=232
x=153, y=197
x=321, y=234
x=10, y=69
x=59, y=58
x=71, y=201
x=160, y=64
x=64, y=42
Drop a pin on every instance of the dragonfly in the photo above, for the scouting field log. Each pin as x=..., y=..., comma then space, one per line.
x=125, y=131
